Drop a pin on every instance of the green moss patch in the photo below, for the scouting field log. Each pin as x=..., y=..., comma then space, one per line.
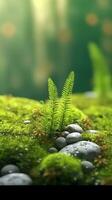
x=24, y=151
x=13, y=113
x=99, y=112
x=24, y=142
x=59, y=169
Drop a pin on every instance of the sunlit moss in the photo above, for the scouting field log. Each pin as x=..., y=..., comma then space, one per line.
x=23, y=151
x=59, y=169
x=14, y=112
x=26, y=144
x=100, y=116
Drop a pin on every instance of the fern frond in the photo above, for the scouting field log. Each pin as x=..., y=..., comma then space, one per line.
x=46, y=120
x=68, y=86
x=52, y=105
x=63, y=111
x=66, y=100
x=57, y=111
x=52, y=89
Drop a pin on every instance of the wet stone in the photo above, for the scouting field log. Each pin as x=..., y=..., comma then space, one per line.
x=60, y=142
x=27, y=122
x=16, y=179
x=91, y=94
x=83, y=149
x=65, y=133
x=87, y=166
x=74, y=128
x=8, y=169
x=92, y=131
x=73, y=137
x=52, y=150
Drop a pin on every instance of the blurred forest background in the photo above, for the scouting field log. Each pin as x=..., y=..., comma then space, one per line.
x=49, y=38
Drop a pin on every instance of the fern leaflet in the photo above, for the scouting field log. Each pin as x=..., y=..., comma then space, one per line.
x=66, y=100
x=53, y=96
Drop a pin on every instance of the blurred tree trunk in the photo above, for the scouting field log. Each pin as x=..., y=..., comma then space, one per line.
x=46, y=38
x=18, y=48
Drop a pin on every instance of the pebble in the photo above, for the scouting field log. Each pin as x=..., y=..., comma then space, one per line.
x=52, y=150
x=73, y=137
x=16, y=179
x=83, y=149
x=90, y=94
x=8, y=169
x=74, y=128
x=87, y=166
x=92, y=131
x=65, y=133
x=60, y=142
x=27, y=122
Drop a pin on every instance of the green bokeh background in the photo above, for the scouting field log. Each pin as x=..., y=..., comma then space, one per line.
x=42, y=38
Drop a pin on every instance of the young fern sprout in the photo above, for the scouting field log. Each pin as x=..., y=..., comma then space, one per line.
x=53, y=103
x=57, y=110
x=102, y=76
x=65, y=101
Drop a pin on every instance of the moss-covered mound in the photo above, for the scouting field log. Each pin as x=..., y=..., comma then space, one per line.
x=59, y=169
x=14, y=112
x=20, y=116
x=24, y=142
x=99, y=112
x=24, y=151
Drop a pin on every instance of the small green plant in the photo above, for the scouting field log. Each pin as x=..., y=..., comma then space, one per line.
x=64, y=106
x=53, y=103
x=102, y=77
x=56, y=110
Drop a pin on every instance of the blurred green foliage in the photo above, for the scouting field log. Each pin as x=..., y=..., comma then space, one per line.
x=46, y=38
x=102, y=77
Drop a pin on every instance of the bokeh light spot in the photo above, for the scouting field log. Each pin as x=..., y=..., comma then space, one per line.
x=103, y=3
x=65, y=35
x=41, y=74
x=107, y=27
x=92, y=19
x=8, y=30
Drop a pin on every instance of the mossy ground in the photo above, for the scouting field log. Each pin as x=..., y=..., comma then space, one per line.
x=58, y=169
x=26, y=145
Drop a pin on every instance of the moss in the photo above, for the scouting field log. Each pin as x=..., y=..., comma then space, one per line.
x=13, y=113
x=99, y=112
x=59, y=169
x=24, y=151
x=75, y=115
x=27, y=144
x=83, y=101
x=104, y=173
x=101, y=117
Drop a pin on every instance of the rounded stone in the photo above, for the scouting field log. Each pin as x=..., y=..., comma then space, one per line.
x=73, y=137
x=16, y=179
x=27, y=122
x=65, y=133
x=74, y=128
x=92, y=131
x=8, y=169
x=87, y=166
x=91, y=94
x=60, y=142
x=83, y=149
x=52, y=150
